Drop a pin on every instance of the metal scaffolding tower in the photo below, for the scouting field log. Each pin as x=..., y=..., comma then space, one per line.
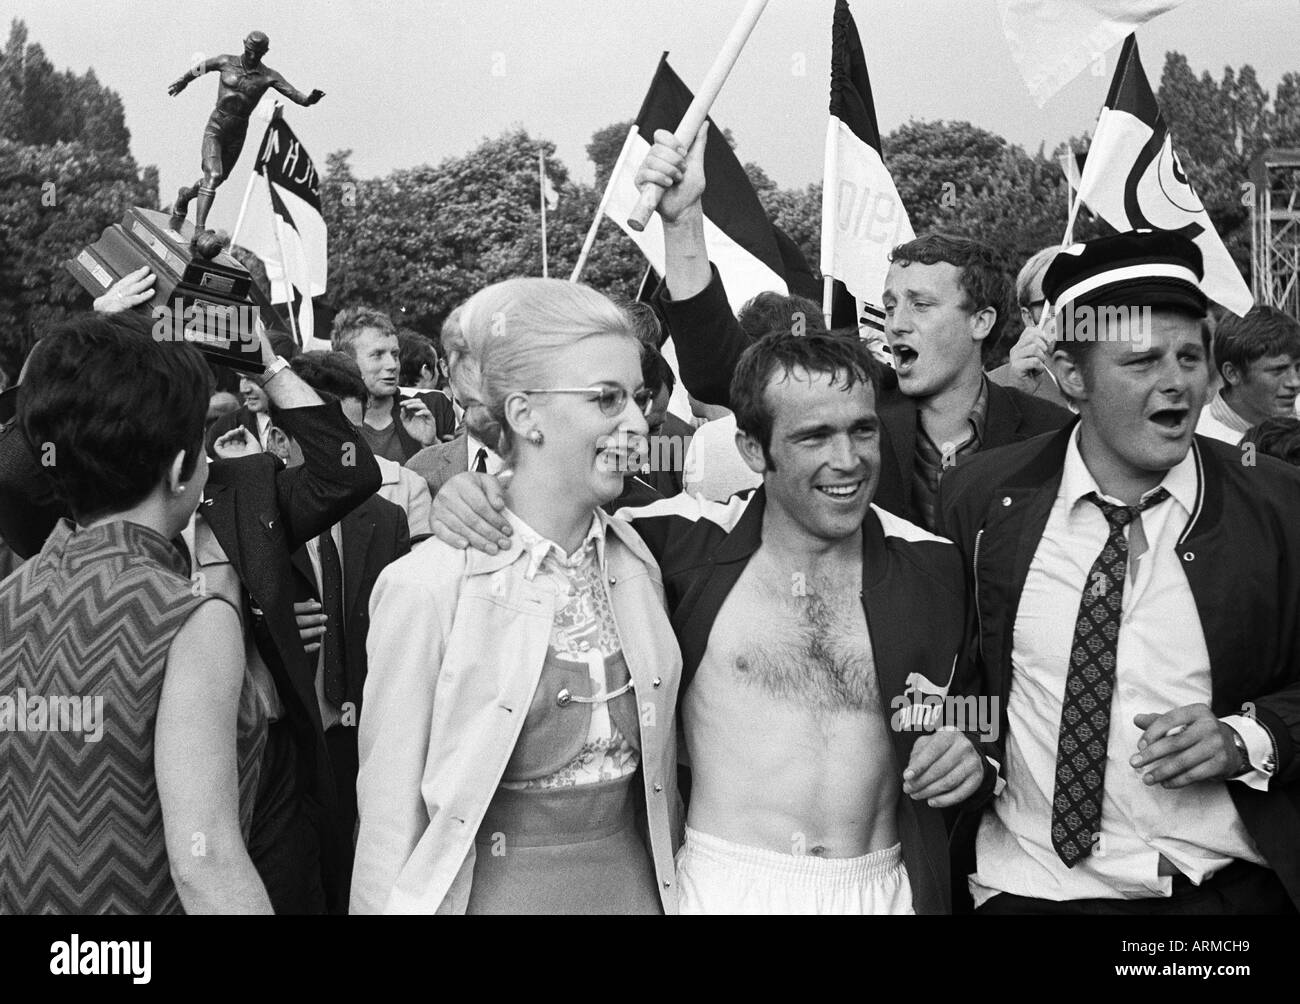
x=1275, y=230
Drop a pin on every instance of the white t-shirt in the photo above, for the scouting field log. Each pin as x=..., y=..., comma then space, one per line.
x=714, y=467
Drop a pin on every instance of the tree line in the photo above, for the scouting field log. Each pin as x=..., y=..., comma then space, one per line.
x=420, y=240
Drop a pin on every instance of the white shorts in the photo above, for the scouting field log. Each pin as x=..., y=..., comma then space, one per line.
x=716, y=876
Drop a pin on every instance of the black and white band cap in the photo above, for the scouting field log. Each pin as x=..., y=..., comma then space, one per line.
x=1143, y=274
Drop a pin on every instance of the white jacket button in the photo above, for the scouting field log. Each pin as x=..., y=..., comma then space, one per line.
x=656, y=682
x=658, y=787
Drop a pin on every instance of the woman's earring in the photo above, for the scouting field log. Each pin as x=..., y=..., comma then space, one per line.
x=178, y=490
x=535, y=436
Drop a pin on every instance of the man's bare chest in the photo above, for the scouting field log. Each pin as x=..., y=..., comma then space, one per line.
x=798, y=638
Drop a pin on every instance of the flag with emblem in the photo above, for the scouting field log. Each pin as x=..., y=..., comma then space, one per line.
x=1133, y=179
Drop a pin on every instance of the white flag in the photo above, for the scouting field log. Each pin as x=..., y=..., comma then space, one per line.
x=1053, y=40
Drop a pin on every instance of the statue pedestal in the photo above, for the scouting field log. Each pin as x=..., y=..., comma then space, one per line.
x=203, y=301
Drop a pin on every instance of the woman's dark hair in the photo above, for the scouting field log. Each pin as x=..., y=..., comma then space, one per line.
x=106, y=408
x=846, y=360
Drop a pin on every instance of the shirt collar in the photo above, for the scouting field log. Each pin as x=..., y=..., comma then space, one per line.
x=1223, y=411
x=472, y=446
x=537, y=548
x=1181, y=480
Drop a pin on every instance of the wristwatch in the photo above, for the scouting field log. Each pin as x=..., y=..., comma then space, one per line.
x=276, y=365
x=1240, y=744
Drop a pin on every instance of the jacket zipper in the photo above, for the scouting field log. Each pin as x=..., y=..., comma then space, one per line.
x=975, y=568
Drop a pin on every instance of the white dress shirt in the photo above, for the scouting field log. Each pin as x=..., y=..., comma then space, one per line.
x=1162, y=663
x=329, y=715
x=1219, y=421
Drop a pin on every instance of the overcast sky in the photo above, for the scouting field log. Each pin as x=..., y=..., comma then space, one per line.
x=414, y=81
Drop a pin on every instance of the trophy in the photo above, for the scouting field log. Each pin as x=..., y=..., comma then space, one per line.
x=204, y=301
x=202, y=295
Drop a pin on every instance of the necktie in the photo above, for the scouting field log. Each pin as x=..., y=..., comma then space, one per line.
x=480, y=461
x=1089, y=686
x=331, y=586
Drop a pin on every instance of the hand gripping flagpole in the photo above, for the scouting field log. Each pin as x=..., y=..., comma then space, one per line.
x=699, y=108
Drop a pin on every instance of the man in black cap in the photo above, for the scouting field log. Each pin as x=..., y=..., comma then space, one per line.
x=1138, y=591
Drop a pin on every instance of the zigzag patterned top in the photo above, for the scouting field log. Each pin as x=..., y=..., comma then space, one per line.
x=93, y=617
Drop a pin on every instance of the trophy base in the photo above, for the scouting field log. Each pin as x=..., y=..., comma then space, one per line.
x=203, y=301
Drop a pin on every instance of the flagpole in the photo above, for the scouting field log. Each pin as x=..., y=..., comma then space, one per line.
x=248, y=192
x=243, y=208
x=830, y=167
x=284, y=275
x=699, y=108
x=604, y=202
x=541, y=197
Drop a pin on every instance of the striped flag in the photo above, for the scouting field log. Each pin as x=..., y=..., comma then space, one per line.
x=736, y=228
x=281, y=222
x=1133, y=179
x=863, y=217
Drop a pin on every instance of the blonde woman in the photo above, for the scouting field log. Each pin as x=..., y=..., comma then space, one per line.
x=518, y=742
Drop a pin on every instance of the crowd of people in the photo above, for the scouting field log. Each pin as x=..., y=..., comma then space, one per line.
x=426, y=626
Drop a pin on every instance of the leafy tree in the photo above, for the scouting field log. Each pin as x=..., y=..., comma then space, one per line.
x=65, y=174
x=603, y=150
x=40, y=107
x=422, y=240
x=1219, y=128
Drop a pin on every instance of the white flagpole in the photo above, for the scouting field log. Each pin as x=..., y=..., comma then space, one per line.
x=699, y=108
x=243, y=208
x=830, y=168
x=284, y=275
x=239, y=222
x=541, y=195
x=600, y=209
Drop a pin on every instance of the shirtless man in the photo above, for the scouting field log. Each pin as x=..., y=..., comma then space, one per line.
x=244, y=79
x=804, y=614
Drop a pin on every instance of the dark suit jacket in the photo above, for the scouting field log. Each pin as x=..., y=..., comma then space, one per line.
x=374, y=535
x=1240, y=552
x=710, y=341
x=439, y=463
x=260, y=512
x=439, y=403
